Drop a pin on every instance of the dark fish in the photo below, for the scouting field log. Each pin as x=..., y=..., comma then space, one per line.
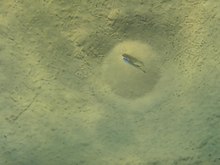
x=133, y=61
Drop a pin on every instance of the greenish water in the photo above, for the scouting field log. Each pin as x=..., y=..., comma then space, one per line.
x=67, y=96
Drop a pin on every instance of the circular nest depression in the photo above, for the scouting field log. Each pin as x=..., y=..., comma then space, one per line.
x=131, y=69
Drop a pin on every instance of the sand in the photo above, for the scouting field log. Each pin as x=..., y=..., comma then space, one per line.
x=68, y=97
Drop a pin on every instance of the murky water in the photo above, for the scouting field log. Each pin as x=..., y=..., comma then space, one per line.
x=68, y=97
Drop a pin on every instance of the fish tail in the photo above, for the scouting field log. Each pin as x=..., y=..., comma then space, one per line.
x=142, y=70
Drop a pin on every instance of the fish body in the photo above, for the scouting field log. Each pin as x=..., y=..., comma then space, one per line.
x=133, y=61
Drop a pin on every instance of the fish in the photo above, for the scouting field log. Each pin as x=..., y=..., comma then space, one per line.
x=133, y=61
